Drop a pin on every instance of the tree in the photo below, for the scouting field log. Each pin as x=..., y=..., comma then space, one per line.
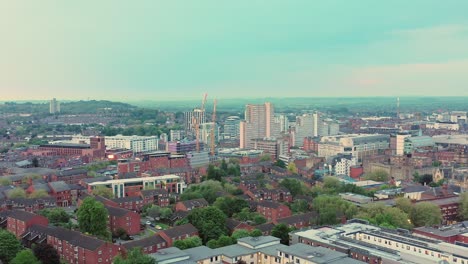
x=404, y=204
x=25, y=256
x=165, y=213
x=9, y=246
x=154, y=212
x=331, y=183
x=292, y=167
x=382, y=215
x=259, y=219
x=229, y=205
x=35, y=162
x=377, y=175
x=56, y=215
x=187, y=243
x=213, y=173
x=256, y=233
x=92, y=218
x=224, y=166
x=210, y=222
x=5, y=181
x=222, y=241
x=463, y=206
x=331, y=208
x=240, y=233
x=281, y=231
x=134, y=256
x=39, y=194
x=265, y=157
x=293, y=185
x=46, y=254
x=280, y=164
x=299, y=206
x=426, y=214
x=103, y=191
x=17, y=193
x=424, y=179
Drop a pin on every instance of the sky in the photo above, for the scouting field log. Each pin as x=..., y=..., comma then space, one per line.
x=180, y=49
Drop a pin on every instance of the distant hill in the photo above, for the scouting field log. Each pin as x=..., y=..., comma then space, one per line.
x=70, y=107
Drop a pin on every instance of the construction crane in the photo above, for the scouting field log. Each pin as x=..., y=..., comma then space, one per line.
x=213, y=125
x=197, y=122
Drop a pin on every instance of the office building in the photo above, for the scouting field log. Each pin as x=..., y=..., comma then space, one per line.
x=359, y=145
x=137, y=144
x=272, y=146
x=259, y=123
x=205, y=133
x=54, y=106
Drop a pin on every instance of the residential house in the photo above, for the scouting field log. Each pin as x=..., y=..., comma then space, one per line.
x=62, y=193
x=148, y=244
x=272, y=210
x=189, y=205
x=19, y=221
x=123, y=219
x=178, y=233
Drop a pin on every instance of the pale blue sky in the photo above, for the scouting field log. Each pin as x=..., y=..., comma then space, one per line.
x=155, y=49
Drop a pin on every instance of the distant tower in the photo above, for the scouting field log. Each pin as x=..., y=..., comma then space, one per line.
x=54, y=107
x=398, y=107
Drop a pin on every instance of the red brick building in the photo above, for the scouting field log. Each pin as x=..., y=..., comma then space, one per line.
x=189, y=205
x=74, y=247
x=178, y=233
x=133, y=203
x=448, y=208
x=272, y=211
x=148, y=245
x=61, y=192
x=159, y=197
x=299, y=221
x=450, y=234
x=277, y=195
x=124, y=219
x=310, y=144
x=70, y=176
x=28, y=204
x=95, y=150
x=19, y=221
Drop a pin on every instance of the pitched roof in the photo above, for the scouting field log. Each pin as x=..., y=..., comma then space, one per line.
x=267, y=227
x=127, y=199
x=145, y=242
x=64, y=173
x=231, y=223
x=73, y=237
x=180, y=230
x=116, y=211
x=305, y=218
x=269, y=204
x=21, y=215
x=190, y=204
x=59, y=186
x=154, y=192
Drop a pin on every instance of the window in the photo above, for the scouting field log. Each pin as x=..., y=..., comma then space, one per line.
x=298, y=261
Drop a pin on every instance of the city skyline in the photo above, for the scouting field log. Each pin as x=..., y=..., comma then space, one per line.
x=179, y=50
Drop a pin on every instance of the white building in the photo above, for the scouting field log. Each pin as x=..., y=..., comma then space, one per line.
x=136, y=143
x=343, y=166
x=176, y=135
x=400, y=143
x=191, y=117
x=54, y=106
x=259, y=123
x=205, y=133
x=358, y=145
x=443, y=125
x=231, y=127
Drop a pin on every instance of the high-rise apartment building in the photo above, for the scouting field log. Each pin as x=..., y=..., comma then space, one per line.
x=54, y=106
x=196, y=116
x=259, y=123
x=231, y=128
x=176, y=135
x=307, y=125
x=205, y=132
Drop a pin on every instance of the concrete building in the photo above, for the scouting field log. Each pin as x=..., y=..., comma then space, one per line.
x=274, y=147
x=205, y=133
x=305, y=127
x=359, y=145
x=190, y=118
x=443, y=126
x=410, y=144
x=198, y=159
x=176, y=135
x=124, y=187
x=231, y=128
x=283, y=121
x=258, y=250
x=400, y=143
x=343, y=165
x=54, y=106
x=137, y=144
x=259, y=123
x=373, y=244
x=183, y=146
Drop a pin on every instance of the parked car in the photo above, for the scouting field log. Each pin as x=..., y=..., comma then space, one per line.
x=148, y=222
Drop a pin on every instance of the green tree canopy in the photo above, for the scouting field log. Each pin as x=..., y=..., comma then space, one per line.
x=210, y=222
x=103, y=191
x=229, y=205
x=404, y=204
x=382, y=215
x=187, y=243
x=292, y=167
x=56, y=215
x=9, y=246
x=25, y=256
x=332, y=208
x=377, y=175
x=17, y=193
x=39, y=194
x=299, y=206
x=293, y=185
x=134, y=256
x=92, y=218
x=426, y=214
x=154, y=212
x=280, y=164
x=281, y=231
x=463, y=209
